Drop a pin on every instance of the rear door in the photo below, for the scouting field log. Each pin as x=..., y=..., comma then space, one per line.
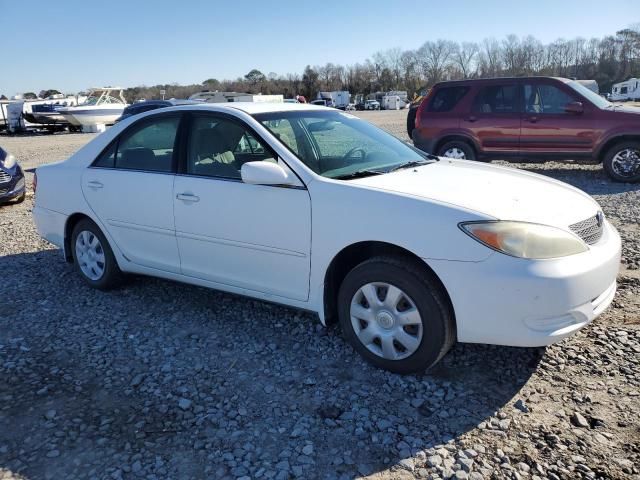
x=494, y=119
x=548, y=130
x=130, y=189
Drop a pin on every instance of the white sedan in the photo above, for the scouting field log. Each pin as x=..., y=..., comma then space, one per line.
x=314, y=208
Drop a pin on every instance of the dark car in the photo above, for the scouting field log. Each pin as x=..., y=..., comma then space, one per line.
x=529, y=119
x=141, y=107
x=12, y=186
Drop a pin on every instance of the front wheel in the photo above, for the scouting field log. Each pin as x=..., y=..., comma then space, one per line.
x=93, y=257
x=395, y=315
x=622, y=162
x=457, y=149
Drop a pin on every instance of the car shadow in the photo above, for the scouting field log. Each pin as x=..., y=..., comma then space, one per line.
x=192, y=382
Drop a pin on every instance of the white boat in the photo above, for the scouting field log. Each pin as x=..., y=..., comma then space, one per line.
x=103, y=106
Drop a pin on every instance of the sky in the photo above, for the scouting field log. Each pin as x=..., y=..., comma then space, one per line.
x=73, y=45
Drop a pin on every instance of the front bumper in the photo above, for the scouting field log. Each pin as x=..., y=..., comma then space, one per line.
x=528, y=303
x=15, y=187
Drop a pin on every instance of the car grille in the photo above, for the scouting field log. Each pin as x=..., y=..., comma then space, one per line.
x=589, y=230
x=4, y=191
x=4, y=177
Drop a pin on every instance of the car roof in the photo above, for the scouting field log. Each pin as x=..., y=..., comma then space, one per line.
x=499, y=79
x=256, y=107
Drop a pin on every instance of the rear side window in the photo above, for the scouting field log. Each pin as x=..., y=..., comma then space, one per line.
x=148, y=147
x=446, y=98
x=497, y=99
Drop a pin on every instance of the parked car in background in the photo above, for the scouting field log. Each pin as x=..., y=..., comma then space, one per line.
x=372, y=105
x=529, y=119
x=148, y=105
x=12, y=184
x=410, y=252
x=322, y=102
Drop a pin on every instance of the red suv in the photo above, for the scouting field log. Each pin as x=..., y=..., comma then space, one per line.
x=529, y=119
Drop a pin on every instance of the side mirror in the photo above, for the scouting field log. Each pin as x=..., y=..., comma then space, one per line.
x=265, y=173
x=574, y=107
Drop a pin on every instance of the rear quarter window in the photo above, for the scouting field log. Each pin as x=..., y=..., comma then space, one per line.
x=446, y=98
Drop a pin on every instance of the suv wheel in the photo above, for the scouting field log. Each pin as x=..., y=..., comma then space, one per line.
x=411, y=121
x=395, y=315
x=622, y=162
x=457, y=149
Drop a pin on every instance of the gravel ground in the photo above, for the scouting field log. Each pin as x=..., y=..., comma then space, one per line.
x=161, y=380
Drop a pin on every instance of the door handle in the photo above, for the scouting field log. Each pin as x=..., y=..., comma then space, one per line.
x=94, y=184
x=472, y=118
x=533, y=119
x=188, y=197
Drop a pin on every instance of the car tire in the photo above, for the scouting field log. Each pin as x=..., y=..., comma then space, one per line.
x=457, y=149
x=93, y=258
x=418, y=299
x=21, y=198
x=622, y=162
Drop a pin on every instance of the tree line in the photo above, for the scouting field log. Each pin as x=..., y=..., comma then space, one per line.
x=607, y=60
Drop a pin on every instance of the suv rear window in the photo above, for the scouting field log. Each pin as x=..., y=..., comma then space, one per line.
x=497, y=99
x=446, y=98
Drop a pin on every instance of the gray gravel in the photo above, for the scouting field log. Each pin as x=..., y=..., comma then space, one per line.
x=161, y=380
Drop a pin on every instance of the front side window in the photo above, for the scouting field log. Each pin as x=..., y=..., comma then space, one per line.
x=543, y=98
x=218, y=147
x=338, y=145
x=446, y=98
x=147, y=146
x=497, y=99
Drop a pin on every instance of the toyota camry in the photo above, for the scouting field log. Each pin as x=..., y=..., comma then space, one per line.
x=320, y=210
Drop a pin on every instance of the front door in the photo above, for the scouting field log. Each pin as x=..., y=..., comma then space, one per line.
x=253, y=237
x=130, y=188
x=494, y=119
x=550, y=131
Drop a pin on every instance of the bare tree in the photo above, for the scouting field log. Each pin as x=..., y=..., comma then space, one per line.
x=434, y=58
x=465, y=57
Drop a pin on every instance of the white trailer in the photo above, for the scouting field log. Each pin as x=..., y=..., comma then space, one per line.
x=628, y=90
x=339, y=99
x=392, y=102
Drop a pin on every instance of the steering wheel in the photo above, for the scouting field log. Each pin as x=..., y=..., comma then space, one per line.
x=350, y=153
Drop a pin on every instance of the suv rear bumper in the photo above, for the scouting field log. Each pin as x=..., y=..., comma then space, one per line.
x=423, y=143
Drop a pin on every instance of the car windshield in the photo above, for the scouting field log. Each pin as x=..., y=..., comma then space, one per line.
x=340, y=145
x=590, y=95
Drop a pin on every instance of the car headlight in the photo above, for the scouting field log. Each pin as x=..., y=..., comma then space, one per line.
x=9, y=161
x=525, y=240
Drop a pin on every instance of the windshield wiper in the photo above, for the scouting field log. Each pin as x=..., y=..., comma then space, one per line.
x=358, y=174
x=412, y=163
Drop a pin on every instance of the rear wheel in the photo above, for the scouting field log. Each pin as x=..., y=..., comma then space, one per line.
x=395, y=315
x=93, y=257
x=457, y=149
x=622, y=162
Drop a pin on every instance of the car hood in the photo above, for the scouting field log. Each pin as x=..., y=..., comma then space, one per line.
x=499, y=192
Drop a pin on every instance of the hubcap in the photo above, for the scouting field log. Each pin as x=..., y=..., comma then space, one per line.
x=386, y=320
x=90, y=255
x=626, y=163
x=455, y=152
